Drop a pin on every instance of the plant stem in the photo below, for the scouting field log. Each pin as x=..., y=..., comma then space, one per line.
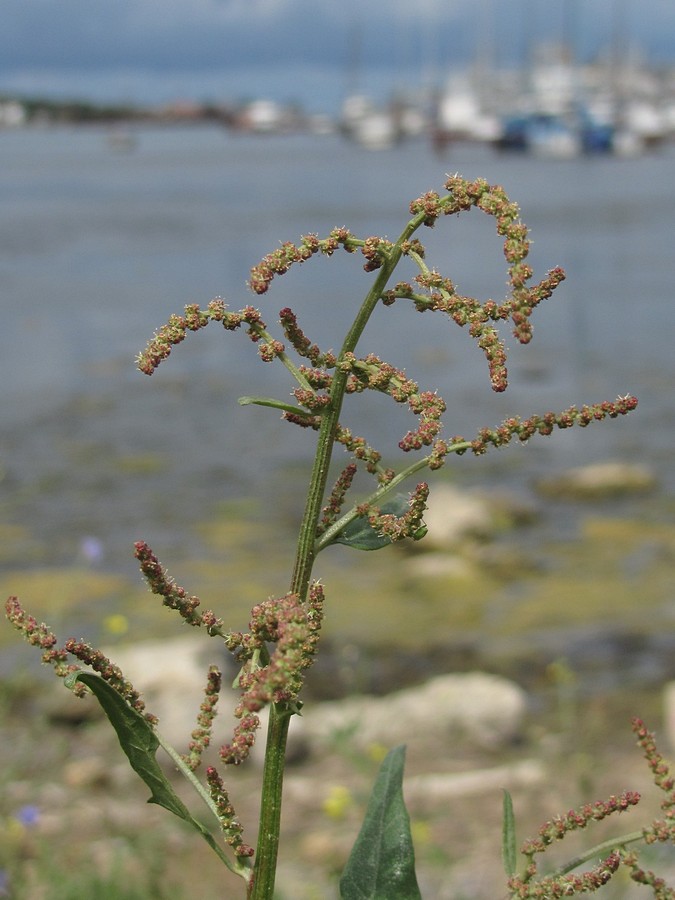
x=240, y=866
x=340, y=524
x=598, y=851
x=261, y=886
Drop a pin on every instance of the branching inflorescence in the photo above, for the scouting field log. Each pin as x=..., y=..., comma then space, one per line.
x=281, y=643
x=565, y=881
x=323, y=383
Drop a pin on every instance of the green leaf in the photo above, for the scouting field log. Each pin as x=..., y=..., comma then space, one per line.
x=140, y=743
x=275, y=404
x=509, y=852
x=361, y=535
x=382, y=862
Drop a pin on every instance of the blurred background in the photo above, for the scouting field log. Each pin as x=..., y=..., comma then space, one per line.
x=151, y=153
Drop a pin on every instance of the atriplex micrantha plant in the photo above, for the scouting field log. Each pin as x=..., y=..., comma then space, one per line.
x=276, y=652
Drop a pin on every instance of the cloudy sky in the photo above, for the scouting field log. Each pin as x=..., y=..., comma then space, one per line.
x=311, y=51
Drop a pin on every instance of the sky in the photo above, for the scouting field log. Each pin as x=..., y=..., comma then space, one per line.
x=306, y=51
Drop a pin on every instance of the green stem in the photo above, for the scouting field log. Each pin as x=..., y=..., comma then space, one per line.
x=283, y=357
x=598, y=851
x=240, y=866
x=262, y=884
x=340, y=524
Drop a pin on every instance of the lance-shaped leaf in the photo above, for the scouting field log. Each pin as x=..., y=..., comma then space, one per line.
x=140, y=743
x=509, y=851
x=382, y=862
x=274, y=404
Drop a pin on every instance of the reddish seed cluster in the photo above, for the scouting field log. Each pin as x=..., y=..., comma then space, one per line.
x=429, y=205
x=558, y=827
x=375, y=250
x=109, y=672
x=429, y=407
x=313, y=422
x=174, y=596
x=311, y=400
x=553, y=886
x=301, y=343
x=655, y=761
x=396, y=528
x=660, y=889
x=374, y=374
x=280, y=260
x=413, y=247
x=269, y=350
x=524, y=429
x=463, y=311
x=333, y=508
x=234, y=753
x=229, y=823
x=201, y=736
x=294, y=628
x=661, y=830
x=194, y=318
x=38, y=634
x=318, y=378
x=359, y=448
x=559, y=886
x=464, y=195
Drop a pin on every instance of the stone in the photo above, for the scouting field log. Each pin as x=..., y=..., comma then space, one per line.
x=598, y=480
x=452, y=515
x=436, y=789
x=439, y=565
x=485, y=710
x=171, y=676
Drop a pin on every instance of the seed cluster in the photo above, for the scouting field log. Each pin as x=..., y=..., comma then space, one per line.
x=294, y=628
x=563, y=883
x=174, y=596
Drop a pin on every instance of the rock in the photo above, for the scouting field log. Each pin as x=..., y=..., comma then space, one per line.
x=171, y=676
x=62, y=708
x=439, y=565
x=453, y=515
x=91, y=772
x=438, y=788
x=485, y=710
x=604, y=479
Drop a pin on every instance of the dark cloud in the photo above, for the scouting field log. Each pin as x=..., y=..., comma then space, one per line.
x=101, y=34
x=197, y=37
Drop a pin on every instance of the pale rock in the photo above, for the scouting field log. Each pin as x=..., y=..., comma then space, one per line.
x=171, y=676
x=437, y=788
x=439, y=565
x=484, y=709
x=453, y=515
x=91, y=772
x=603, y=479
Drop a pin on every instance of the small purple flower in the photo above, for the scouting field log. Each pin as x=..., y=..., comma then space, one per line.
x=91, y=550
x=28, y=815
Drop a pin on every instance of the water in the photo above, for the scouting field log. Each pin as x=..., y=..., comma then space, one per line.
x=97, y=247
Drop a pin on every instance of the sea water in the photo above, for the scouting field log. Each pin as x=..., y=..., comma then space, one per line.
x=99, y=246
